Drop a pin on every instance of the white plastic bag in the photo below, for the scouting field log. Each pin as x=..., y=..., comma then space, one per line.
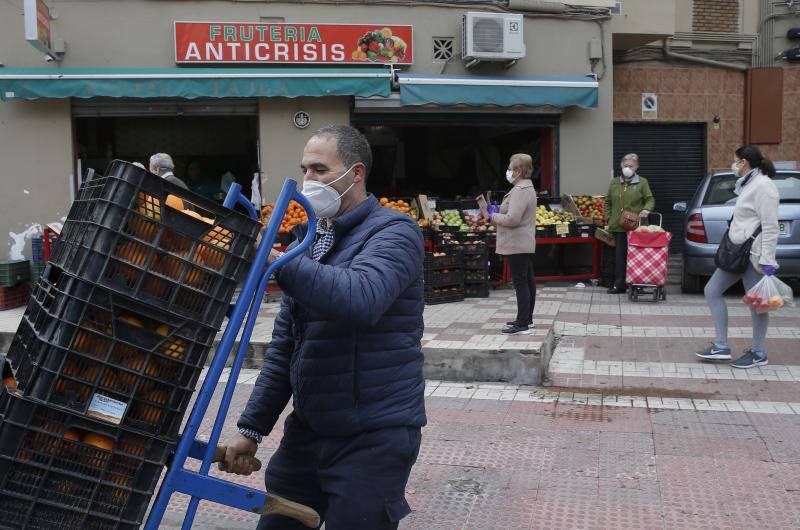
x=769, y=294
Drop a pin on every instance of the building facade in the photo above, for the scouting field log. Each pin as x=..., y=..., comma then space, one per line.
x=47, y=142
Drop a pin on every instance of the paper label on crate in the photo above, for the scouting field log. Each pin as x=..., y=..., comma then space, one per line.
x=562, y=229
x=107, y=409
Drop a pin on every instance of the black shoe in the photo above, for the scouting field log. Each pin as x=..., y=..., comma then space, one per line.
x=750, y=359
x=516, y=330
x=614, y=290
x=514, y=323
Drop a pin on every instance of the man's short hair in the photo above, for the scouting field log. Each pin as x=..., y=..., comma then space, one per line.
x=524, y=162
x=351, y=146
x=162, y=162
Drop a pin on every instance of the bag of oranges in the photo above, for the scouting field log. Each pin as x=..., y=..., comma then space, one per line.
x=769, y=294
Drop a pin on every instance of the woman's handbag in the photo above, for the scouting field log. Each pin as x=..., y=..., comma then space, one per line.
x=734, y=258
x=627, y=220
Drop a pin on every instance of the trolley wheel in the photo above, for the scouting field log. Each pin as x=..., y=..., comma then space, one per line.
x=662, y=292
x=632, y=296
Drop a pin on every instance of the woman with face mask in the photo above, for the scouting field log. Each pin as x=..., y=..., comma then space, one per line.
x=755, y=216
x=515, y=220
x=631, y=193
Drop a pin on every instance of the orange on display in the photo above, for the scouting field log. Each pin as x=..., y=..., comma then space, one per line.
x=10, y=382
x=295, y=214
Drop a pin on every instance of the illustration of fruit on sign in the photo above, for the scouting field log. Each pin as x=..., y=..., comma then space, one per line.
x=381, y=46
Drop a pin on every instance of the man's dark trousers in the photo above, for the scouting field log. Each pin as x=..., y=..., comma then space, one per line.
x=356, y=482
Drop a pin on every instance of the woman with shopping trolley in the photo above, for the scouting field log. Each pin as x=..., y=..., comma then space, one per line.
x=747, y=251
x=629, y=198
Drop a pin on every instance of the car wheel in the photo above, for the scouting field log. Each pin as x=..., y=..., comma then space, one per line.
x=690, y=283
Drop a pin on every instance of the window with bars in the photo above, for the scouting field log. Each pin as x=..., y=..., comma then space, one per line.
x=442, y=49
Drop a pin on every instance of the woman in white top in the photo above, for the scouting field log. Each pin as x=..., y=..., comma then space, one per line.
x=757, y=205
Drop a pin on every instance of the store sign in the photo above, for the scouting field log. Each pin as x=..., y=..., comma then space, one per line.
x=37, y=25
x=238, y=42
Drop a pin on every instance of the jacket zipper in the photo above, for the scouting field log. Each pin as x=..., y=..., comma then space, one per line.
x=356, y=390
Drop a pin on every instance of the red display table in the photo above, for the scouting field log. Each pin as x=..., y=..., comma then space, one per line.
x=595, y=273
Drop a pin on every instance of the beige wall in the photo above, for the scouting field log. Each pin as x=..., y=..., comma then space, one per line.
x=138, y=33
x=282, y=143
x=36, y=154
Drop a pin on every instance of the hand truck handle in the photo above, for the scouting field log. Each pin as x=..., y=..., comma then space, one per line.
x=235, y=197
x=660, y=218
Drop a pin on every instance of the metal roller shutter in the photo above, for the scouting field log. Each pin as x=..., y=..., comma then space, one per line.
x=672, y=158
x=119, y=107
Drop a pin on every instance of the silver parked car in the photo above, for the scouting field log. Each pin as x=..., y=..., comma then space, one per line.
x=707, y=218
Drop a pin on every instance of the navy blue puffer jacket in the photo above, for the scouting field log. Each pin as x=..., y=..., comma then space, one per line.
x=346, y=343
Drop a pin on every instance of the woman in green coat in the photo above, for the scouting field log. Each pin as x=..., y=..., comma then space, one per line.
x=630, y=192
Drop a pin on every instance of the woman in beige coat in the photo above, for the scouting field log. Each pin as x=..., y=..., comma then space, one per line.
x=516, y=239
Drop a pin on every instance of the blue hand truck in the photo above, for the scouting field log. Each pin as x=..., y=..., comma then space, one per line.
x=199, y=485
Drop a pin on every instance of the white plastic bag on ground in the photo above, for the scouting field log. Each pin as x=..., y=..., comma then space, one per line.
x=769, y=294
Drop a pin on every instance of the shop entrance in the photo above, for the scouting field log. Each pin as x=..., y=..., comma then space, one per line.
x=452, y=159
x=211, y=143
x=672, y=158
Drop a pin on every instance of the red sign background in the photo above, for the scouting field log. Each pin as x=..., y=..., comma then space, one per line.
x=237, y=42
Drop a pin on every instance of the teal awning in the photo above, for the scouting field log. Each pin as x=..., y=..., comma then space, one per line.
x=190, y=83
x=421, y=89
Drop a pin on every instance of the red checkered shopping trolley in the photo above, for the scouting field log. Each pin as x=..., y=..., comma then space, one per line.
x=646, y=273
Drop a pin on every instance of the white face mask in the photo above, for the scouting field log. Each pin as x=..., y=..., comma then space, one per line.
x=324, y=199
x=510, y=176
x=735, y=169
x=628, y=172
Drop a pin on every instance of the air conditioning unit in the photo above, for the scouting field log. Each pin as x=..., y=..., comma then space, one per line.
x=492, y=37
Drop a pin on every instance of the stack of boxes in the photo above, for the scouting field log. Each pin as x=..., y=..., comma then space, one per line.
x=15, y=277
x=110, y=349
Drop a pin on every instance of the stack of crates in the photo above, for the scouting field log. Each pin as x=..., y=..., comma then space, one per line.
x=39, y=258
x=476, y=271
x=111, y=347
x=444, y=278
x=15, y=277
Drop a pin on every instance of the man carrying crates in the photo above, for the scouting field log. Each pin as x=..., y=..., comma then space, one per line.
x=346, y=347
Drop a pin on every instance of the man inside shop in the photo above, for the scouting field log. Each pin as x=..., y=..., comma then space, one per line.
x=161, y=164
x=346, y=349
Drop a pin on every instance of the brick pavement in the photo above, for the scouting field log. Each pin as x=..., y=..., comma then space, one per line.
x=634, y=432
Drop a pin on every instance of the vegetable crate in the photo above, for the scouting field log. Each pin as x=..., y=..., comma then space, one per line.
x=64, y=471
x=447, y=261
x=14, y=272
x=440, y=277
x=444, y=295
x=88, y=350
x=476, y=260
x=476, y=289
x=135, y=233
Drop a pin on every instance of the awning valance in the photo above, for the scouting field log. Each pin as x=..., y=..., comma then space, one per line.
x=421, y=89
x=190, y=83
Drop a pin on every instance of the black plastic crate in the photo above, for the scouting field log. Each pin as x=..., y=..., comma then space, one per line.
x=545, y=231
x=436, y=278
x=476, y=289
x=143, y=237
x=476, y=275
x=478, y=261
x=13, y=272
x=449, y=261
x=108, y=357
x=60, y=470
x=585, y=229
x=447, y=204
x=445, y=295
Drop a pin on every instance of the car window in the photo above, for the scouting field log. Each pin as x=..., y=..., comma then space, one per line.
x=721, y=189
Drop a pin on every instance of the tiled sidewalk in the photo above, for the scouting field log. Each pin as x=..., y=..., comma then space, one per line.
x=493, y=459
